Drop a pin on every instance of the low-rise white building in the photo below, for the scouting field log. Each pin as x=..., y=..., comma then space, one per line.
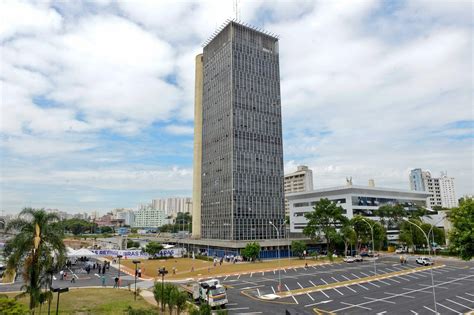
x=149, y=217
x=362, y=200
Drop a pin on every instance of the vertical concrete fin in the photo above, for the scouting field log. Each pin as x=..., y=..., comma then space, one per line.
x=197, y=161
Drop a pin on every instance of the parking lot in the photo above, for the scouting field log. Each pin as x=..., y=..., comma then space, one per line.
x=402, y=290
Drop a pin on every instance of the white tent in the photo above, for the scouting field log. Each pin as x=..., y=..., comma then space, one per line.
x=70, y=251
x=82, y=252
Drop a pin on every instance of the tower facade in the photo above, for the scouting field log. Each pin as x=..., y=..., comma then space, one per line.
x=242, y=152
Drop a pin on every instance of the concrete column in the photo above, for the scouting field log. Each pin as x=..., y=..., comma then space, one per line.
x=197, y=162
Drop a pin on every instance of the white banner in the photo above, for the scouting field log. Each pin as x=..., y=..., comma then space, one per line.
x=115, y=252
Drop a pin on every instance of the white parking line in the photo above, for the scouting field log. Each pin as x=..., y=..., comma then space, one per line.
x=239, y=276
x=258, y=291
x=273, y=271
x=324, y=294
x=430, y=309
x=360, y=285
x=251, y=274
x=402, y=278
x=273, y=290
x=300, y=285
x=448, y=308
x=414, y=312
x=295, y=270
x=348, y=287
x=379, y=300
x=464, y=299
x=354, y=305
x=454, y=302
x=314, y=267
x=375, y=285
x=364, y=274
x=312, y=283
x=237, y=308
x=411, y=276
x=312, y=299
x=345, y=277
x=394, y=294
x=383, y=282
x=335, y=279
x=355, y=276
x=396, y=281
x=338, y=291
x=263, y=273
x=323, y=281
x=296, y=301
x=469, y=294
x=381, y=313
x=284, y=270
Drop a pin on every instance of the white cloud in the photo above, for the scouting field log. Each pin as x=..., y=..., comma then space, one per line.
x=367, y=91
x=179, y=130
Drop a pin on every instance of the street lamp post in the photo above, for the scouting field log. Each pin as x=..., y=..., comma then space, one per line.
x=279, y=263
x=431, y=269
x=373, y=244
x=119, y=257
x=136, y=262
x=162, y=272
x=432, y=231
x=59, y=290
x=209, y=243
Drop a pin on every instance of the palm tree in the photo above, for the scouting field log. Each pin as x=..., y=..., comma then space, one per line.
x=38, y=239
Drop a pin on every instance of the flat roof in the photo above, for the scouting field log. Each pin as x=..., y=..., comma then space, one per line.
x=364, y=190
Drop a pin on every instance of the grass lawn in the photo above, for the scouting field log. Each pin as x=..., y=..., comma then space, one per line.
x=93, y=301
x=183, y=266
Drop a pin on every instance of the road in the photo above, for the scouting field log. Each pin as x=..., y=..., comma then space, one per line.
x=409, y=293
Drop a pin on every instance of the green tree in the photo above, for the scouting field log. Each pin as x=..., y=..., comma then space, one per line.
x=180, y=301
x=106, y=229
x=153, y=248
x=132, y=244
x=391, y=215
x=349, y=236
x=77, y=226
x=12, y=306
x=37, y=239
x=364, y=234
x=251, y=251
x=461, y=236
x=298, y=248
x=324, y=220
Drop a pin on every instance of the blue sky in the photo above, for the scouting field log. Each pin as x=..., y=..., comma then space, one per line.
x=97, y=96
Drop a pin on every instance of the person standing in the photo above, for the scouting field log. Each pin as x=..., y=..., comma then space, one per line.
x=103, y=269
x=103, y=280
x=116, y=280
x=61, y=275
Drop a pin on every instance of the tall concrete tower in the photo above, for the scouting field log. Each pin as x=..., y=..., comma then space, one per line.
x=196, y=233
x=242, y=152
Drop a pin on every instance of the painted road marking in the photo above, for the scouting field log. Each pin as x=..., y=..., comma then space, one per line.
x=237, y=308
x=454, y=302
x=273, y=290
x=300, y=285
x=394, y=294
x=312, y=283
x=345, y=277
x=324, y=294
x=313, y=267
x=402, y=278
x=360, y=285
x=375, y=285
x=396, y=281
x=295, y=270
x=239, y=276
x=322, y=302
x=296, y=301
x=382, y=313
x=263, y=273
x=251, y=274
x=355, y=276
x=323, y=281
x=310, y=296
x=273, y=271
x=410, y=276
x=226, y=278
x=464, y=299
x=354, y=305
x=429, y=309
x=364, y=274
x=335, y=279
x=414, y=312
x=469, y=294
x=383, y=282
x=430, y=286
x=338, y=291
x=448, y=308
x=350, y=289
x=379, y=300
x=258, y=291
x=284, y=270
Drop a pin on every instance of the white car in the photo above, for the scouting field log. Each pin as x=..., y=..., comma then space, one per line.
x=400, y=251
x=349, y=259
x=425, y=261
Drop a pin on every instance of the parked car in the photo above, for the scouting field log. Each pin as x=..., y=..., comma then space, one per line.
x=400, y=250
x=358, y=258
x=425, y=261
x=371, y=254
x=349, y=259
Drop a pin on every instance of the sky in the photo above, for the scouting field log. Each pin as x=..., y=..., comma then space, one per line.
x=97, y=96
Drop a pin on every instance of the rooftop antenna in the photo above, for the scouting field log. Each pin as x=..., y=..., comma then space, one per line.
x=236, y=9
